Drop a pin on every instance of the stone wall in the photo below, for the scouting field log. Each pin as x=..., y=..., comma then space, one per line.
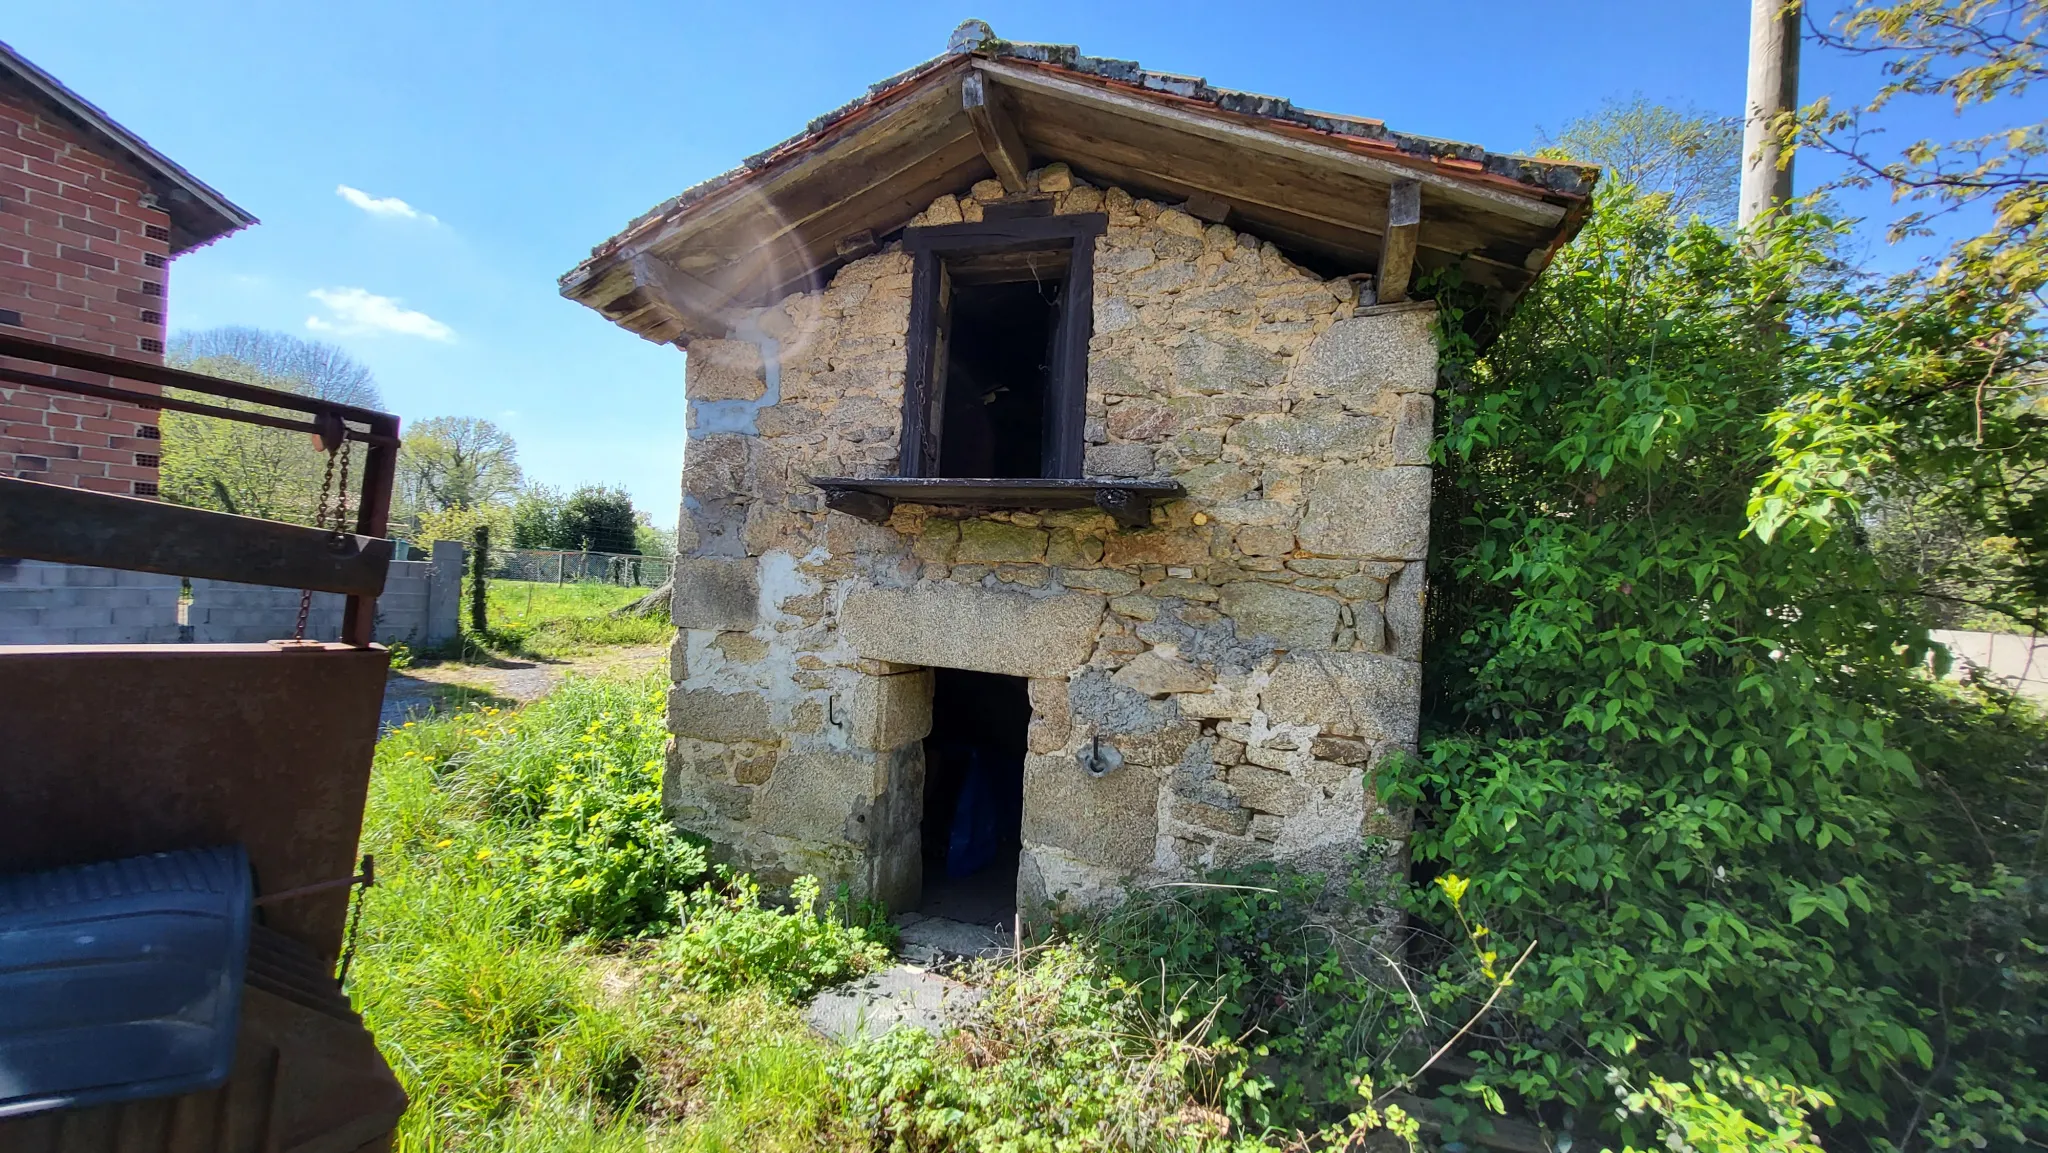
x=1214, y=689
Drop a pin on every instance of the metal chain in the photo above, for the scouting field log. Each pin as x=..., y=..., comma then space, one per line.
x=319, y=521
x=341, y=493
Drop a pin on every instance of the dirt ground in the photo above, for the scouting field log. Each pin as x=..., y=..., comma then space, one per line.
x=430, y=686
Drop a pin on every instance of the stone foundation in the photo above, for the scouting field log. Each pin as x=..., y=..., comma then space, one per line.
x=1215, y=689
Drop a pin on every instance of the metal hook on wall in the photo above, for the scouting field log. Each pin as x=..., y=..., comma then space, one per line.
x=1097, y=761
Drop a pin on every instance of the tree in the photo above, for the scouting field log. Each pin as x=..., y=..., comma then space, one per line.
x=457, y=462
x=1691, y=159
x=1969, y=520
x=1966, y=54
x=652, y=541
x=537, y=517
x=277, y=360
x=600, y=519
x=228, y=466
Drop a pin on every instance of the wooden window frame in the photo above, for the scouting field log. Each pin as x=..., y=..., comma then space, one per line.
x=931, y=247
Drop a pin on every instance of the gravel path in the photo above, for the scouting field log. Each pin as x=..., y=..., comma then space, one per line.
x=425, y=689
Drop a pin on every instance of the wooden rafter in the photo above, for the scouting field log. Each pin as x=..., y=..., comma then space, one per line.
x=1397, y=249
x=1000, y=140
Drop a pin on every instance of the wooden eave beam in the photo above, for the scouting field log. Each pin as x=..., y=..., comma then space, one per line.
x=1397, y=247
x=696, y=306
x=884, y=143
x=1526, y=209
x=1000, y=140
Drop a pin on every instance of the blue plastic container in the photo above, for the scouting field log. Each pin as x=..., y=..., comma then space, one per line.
x=121, y=980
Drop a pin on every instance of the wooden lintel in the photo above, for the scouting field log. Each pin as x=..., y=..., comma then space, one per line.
x=1000, y=140
x=1208, y=206
x=855, y=245
x=72, y=526
x=1397, y=250
x=694, y=304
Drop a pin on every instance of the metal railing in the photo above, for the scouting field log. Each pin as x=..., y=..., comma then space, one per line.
x=557, y=566
x=196, y=543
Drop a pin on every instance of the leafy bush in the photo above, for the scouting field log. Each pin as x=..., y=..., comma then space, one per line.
x=1275, y=960
x=1695, y=760
x=507, y=1036
x=575, y=779
x=1057, y=1055
x=729, y=942
x=476, y=1009
x=605, y=858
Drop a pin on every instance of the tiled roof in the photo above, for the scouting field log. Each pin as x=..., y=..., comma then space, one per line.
x=1450, y=157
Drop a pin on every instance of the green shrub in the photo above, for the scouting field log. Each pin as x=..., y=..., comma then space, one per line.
x=1697, y=762
x=575, y=781
x=1275, y=960
x=729, y=942
x=1057, y=1056
x=475, y=1009
x=605, y=858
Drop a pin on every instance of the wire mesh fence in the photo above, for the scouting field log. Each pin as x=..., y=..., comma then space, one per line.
x=550, y=566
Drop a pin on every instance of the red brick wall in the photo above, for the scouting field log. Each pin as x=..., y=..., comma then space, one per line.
x=83, y=263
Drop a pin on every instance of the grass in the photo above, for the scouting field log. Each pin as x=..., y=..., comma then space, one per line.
x=548, y=621
x=673, y=1024
x=509, y=1034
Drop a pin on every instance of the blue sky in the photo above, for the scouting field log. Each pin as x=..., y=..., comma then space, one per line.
x=490, y=145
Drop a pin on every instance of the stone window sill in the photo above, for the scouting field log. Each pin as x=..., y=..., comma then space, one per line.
x=872, y=499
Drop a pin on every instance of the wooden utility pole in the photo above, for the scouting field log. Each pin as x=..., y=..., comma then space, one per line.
x=1773, y=90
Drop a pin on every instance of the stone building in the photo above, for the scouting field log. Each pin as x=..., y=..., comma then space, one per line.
x=1056, y=496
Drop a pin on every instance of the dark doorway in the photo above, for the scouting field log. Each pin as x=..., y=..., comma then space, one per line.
x=974, y=796
x=998, y=357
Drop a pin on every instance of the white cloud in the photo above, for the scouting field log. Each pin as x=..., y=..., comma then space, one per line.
x=382, y=205
x=358, y=311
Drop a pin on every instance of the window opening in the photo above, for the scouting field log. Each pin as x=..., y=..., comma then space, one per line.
x=1000, y=314
x=974, y=796
x=998, y=367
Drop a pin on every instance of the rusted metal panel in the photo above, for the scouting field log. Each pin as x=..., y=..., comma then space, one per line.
x=118, y=750
x=74, y=526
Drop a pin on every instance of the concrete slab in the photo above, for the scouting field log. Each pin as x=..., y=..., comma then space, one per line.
x=903, y=995
x=940, y=941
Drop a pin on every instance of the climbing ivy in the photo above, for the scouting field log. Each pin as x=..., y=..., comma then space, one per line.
x=1692, y=755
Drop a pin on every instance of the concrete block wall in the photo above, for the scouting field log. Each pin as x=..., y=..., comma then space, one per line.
x=54, y=604
x=2020, y=661
x=420, y=607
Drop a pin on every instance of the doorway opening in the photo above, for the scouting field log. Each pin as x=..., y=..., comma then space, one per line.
x=974, y=796
x=999, y=354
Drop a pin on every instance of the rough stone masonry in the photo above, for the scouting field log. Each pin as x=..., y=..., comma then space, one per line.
x=1240, y=669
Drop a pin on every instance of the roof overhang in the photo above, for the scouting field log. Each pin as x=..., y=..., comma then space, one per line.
x=199, y=215
x=1338, y=194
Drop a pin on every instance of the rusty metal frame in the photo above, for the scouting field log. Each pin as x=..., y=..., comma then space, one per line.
x=378, y=430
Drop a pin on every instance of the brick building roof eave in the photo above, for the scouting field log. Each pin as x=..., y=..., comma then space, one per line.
x=199, y=214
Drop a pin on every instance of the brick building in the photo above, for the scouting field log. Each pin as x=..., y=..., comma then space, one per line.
x=1056, y=499
x=90, y=219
